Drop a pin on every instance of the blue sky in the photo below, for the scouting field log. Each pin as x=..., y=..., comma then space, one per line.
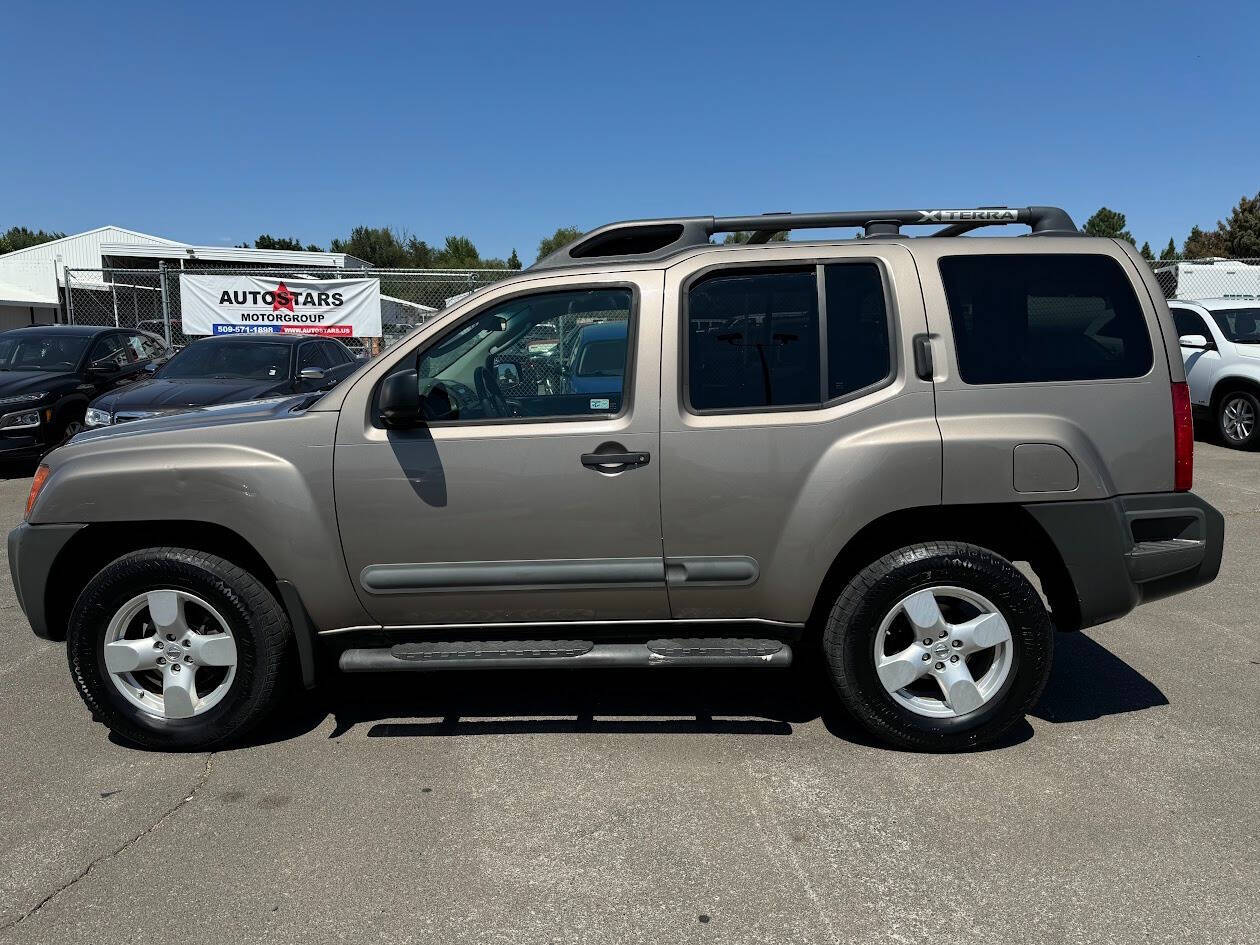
x=211, y=123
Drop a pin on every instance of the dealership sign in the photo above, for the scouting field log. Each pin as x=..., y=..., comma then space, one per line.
x=247, y=305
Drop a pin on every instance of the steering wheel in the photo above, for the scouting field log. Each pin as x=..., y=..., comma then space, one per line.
x=489, y=392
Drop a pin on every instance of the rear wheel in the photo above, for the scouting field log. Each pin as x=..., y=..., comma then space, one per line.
x=1238, y=419
x=939, y=646
x=175, y=648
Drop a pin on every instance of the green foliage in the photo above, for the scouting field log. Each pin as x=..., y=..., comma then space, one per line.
x=267, y=241
x=1237, y=238
x=1202, y=244
x=562, y=237
x=19, y=237
x=514, y=261
x=1170, y=251
x=1108, y=223
x=743, y=236
x=1147, y=253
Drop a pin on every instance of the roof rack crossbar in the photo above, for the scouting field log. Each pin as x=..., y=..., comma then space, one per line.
x=655, y=239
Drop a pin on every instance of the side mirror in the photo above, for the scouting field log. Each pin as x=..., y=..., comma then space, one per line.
x=506, y=374
x=151, y=367
x=400, y=400
x=1195, y=341
x=311, y=374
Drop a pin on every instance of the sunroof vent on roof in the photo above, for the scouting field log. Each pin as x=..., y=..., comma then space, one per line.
x=628, y=241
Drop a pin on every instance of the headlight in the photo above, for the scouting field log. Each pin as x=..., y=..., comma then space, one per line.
x=24, y=398
x=20, y=420
x=96, y=418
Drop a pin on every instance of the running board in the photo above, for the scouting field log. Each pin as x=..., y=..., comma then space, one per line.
x=554, y=654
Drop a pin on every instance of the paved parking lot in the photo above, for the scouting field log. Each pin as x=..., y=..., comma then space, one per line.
x=645, y=807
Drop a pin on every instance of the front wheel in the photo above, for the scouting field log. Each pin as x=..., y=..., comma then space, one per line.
x=174, y=648
x=940, y=646
x=1238, y=418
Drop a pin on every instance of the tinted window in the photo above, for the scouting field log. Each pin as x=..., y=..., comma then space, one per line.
x=551, y=355
x=1190, y=323
x=858, y=349
x=752, y=340
x=111, y=349
x=1241, y=325
x=1028, y=318
x=235, y=359
x=336, y=353
x=41, y=352
x=145, y=348
x=312, y=354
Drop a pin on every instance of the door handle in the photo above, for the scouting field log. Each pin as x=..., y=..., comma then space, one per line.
x=923, y=366
x=625, y=460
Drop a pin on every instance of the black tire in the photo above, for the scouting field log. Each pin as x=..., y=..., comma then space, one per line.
x=1245, y=399
x=258, y=624
x=852, y=627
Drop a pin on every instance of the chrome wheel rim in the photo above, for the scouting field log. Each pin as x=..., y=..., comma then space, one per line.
x=170, y=654
x=1238, y=419
x=943, y=652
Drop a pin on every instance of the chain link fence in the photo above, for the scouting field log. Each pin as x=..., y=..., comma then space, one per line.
x=149, y=299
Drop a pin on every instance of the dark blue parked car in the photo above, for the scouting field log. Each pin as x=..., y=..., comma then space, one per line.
x=599, y=359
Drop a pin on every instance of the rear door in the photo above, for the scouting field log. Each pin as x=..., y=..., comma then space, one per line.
x=791, y=416
x=1052, y=375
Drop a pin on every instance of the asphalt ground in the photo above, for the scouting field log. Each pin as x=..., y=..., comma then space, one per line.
x=662, y=807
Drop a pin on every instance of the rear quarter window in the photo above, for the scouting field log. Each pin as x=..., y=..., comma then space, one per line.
x=1056, y=317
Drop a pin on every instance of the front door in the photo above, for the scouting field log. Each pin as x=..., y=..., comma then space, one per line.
x=1201, y=363
x=510, y=505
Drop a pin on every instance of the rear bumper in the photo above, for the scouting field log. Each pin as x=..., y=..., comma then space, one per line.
x=32, y=550
x=1132, y=549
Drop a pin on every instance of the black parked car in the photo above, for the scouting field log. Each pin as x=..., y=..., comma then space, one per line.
x=49, y=373
x=229, y=369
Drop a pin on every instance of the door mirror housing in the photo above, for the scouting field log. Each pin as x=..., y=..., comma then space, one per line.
x=311, y=374
x=1195, y=341
x=400, y=400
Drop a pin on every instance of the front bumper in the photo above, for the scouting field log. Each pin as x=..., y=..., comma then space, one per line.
x=32, y=551
x=1133, y=549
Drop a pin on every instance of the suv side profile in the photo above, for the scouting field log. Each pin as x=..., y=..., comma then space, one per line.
x=853, y=441
x=1220, y=341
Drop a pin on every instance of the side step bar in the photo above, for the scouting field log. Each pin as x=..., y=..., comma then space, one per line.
x=579, y=654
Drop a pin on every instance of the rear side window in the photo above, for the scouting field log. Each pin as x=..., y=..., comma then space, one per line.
x=1030, y=318
x=752, y=340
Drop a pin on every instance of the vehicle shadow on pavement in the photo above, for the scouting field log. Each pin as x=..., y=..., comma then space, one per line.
x=1087, y=682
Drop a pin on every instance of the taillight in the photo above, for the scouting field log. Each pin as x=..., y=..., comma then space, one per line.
x=1183, y=438
x=37, y=486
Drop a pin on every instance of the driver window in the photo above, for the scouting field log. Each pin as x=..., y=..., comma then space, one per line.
x=546, y=356
x=108, y=350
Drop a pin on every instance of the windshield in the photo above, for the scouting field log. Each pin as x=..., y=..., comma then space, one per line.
x=249, y=360
x=1240, y=325
x=42, y=352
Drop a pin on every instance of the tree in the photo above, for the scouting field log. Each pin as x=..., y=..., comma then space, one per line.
x=380, y=246
x=1203, y=245
x=1170, y=251
x=1109, y=223
x=562, y=237
x=19, y=237
x=1147, y=253
x=1242, y=229
x=743, y=236
x=514, y=261
x=267, y=241
x=458, y=253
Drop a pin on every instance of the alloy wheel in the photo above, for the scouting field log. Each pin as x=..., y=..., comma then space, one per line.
x=170, y=654
x=1238, y=419
x=943, y=652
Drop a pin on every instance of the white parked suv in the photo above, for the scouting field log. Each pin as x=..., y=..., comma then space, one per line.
x=1220, y=342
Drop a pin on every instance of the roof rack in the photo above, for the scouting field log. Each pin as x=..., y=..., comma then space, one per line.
x=655, y=239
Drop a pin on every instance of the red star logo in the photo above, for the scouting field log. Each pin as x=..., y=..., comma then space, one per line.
x=284, y=298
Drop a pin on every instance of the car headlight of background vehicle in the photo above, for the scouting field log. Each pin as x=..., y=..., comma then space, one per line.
x=20, y=419
x=96, y=418
x=23, y=398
